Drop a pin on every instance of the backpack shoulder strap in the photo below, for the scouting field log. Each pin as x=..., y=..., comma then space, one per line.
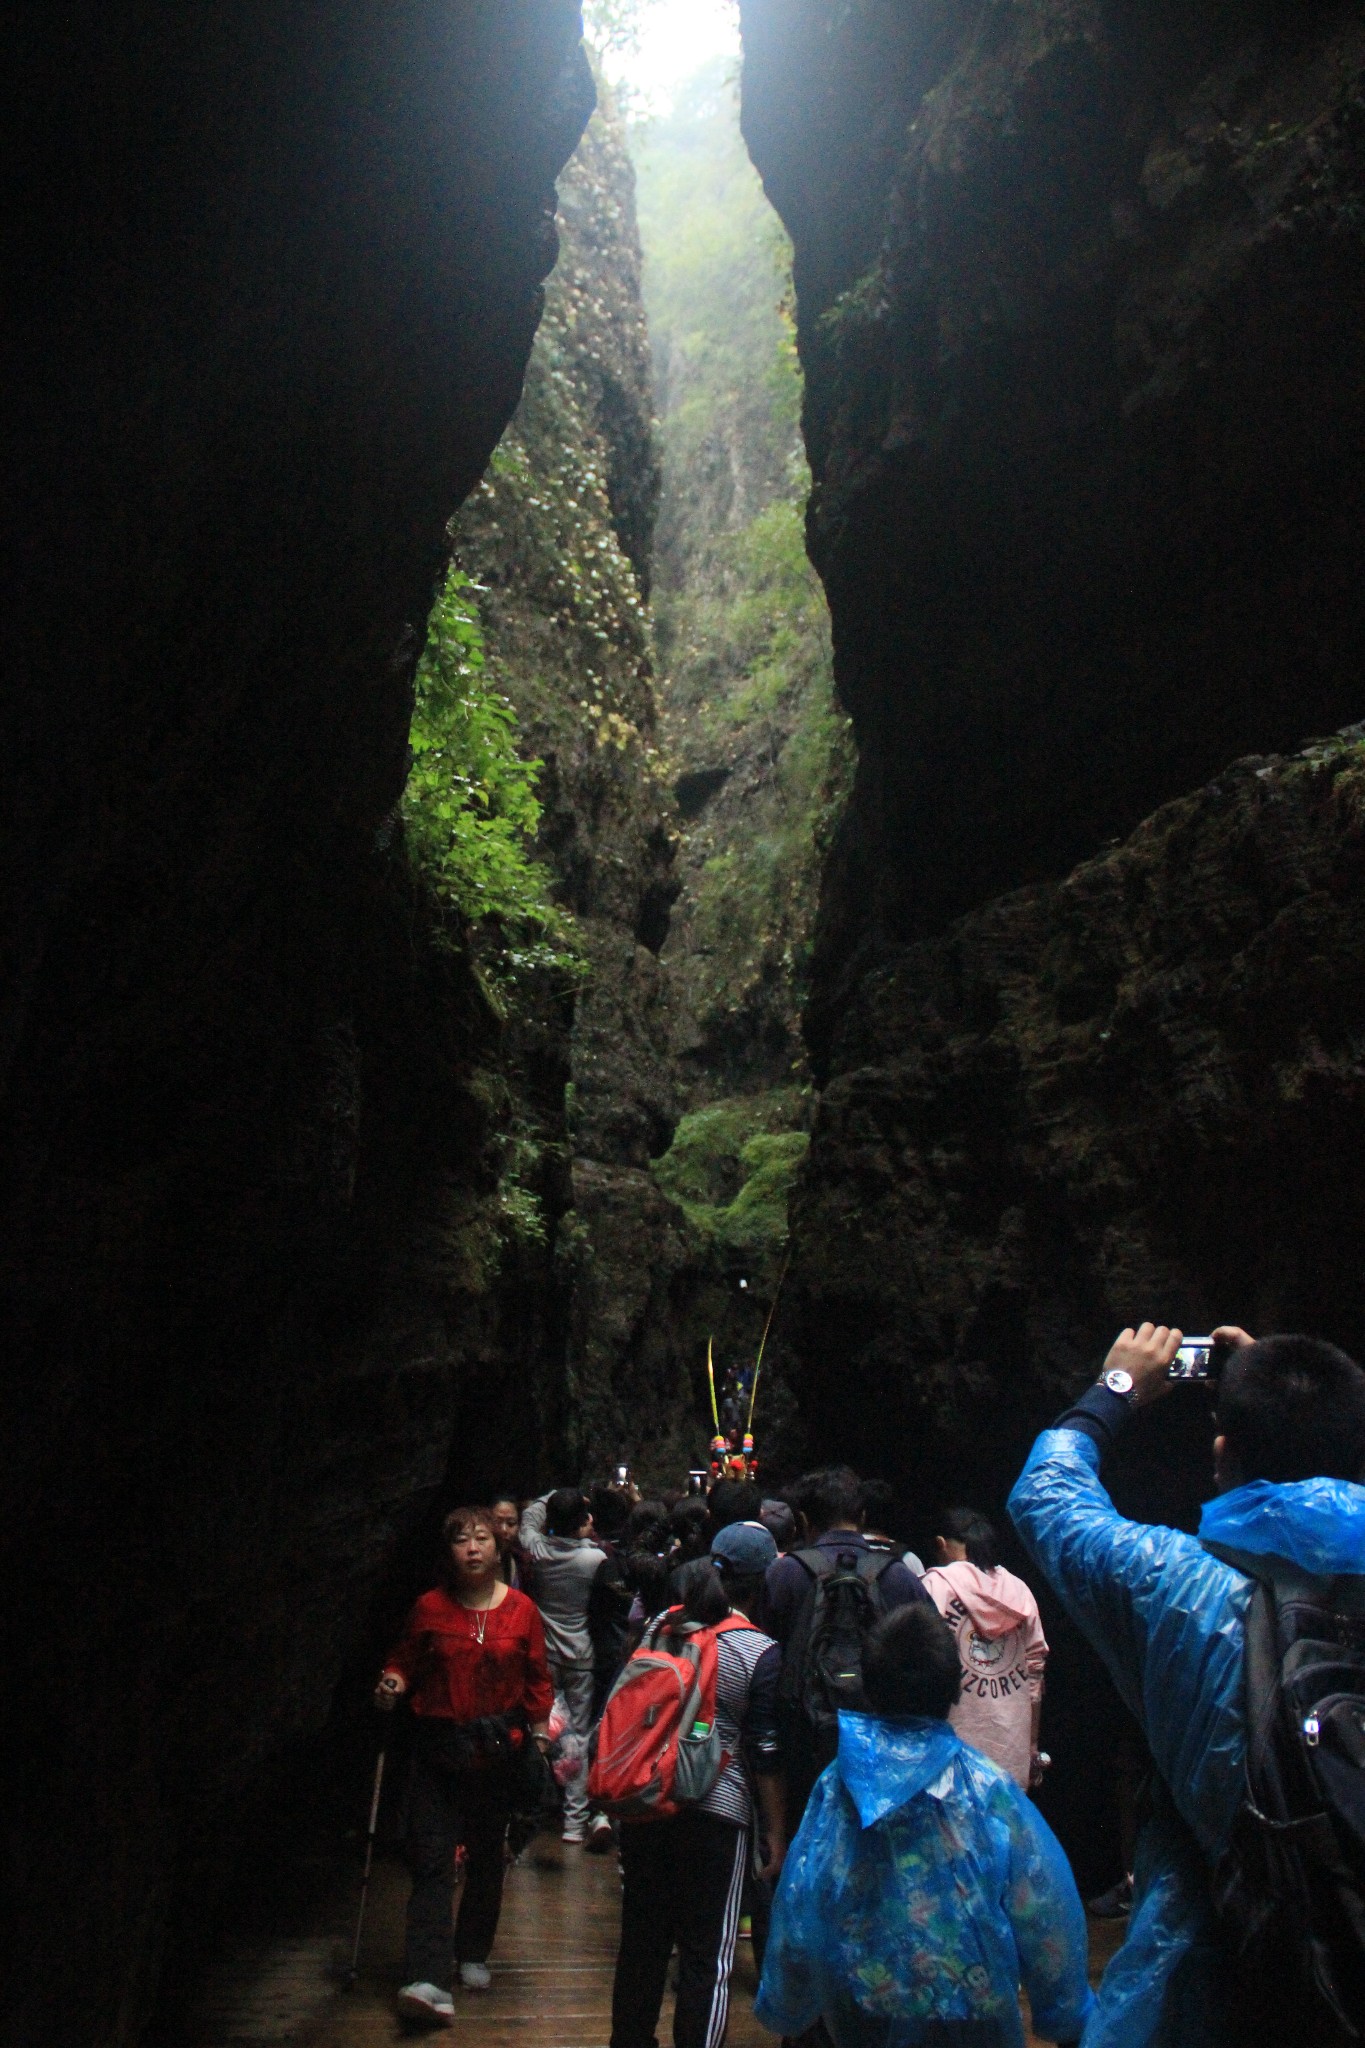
x=662, y=1625
x=733, y=1621
x=818, y=1563
x=1286, y=1580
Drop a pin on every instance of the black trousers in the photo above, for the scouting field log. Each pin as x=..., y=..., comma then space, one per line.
x=683, y=1883
x=449, y=1805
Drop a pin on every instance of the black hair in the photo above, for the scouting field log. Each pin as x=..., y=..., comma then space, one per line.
x=910, y=1664
x=733, y=1500
x=966, y=1525
x=646, y=1526
x=643, y=1551
x=876, y=1506
x=611, y=1507
x=828, y=1498
x=566, y=1511
x=1293, y=1408
x=495, y=1500
x=690, y=1524
x=779, y=1519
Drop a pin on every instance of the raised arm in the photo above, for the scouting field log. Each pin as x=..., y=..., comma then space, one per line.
x=534, y=1540
x=1162, y=1614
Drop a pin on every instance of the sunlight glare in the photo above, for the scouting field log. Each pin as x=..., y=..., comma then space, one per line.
x=676, y=38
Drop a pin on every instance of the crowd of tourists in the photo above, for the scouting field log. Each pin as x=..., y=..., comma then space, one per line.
x=779, y=1721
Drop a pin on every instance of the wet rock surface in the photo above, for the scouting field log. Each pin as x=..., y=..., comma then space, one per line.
x=1079, y=307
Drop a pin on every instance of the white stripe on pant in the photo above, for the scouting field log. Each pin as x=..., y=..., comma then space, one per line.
x=725, y=1959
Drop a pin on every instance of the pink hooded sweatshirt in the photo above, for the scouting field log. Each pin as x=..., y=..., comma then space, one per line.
x=1002, y=1649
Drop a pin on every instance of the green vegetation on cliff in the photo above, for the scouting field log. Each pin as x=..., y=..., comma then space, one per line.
x=731, y=1167
x=755, y=739
x=470, y=810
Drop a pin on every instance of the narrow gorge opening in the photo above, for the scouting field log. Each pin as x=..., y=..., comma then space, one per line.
x=627, y=764
x=873, y=823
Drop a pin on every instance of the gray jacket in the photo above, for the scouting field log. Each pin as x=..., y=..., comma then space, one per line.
x=565, y=1569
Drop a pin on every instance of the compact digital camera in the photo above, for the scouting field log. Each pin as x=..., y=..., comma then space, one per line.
x=1198, y=1358
x=620, y=1474
x=696, y=1482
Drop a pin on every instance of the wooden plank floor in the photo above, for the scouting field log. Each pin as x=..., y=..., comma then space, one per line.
x=552, y=1971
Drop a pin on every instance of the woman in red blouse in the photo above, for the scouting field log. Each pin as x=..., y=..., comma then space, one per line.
x=471, y=1661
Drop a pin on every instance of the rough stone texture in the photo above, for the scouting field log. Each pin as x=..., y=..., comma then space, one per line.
x=1082, y=312
x=1140, y=1091
x=1137, y=1092
x=559, y=539
x=277, y=276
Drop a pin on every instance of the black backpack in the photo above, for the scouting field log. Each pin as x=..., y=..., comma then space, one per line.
x=822, y=1667
x=1290, y=1888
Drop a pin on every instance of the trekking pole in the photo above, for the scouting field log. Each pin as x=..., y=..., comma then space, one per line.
x=369, y=1859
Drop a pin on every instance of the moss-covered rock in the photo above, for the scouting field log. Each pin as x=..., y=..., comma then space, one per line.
x=731, y=1168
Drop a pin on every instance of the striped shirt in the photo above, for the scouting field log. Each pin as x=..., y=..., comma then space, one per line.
x=749, y=1665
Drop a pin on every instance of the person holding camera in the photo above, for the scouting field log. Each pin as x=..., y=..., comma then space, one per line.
x=558, y=1536
x=471, y=1662
x=1231, y=1938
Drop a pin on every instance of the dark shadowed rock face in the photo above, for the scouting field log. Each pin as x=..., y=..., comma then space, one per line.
x=278, y=276
x=1137, y=1092
x=1082, y=312
x=1082, y=307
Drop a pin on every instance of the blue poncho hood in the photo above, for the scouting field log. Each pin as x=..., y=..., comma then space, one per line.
x=886, y=1764
x=1317, y=1524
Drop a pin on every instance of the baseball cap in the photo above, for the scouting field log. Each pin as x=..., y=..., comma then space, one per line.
x=744, y=1547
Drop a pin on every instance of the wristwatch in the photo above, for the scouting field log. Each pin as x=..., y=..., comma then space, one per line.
x=1118, y=1382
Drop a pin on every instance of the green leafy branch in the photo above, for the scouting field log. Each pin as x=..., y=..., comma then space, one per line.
x=470, y=807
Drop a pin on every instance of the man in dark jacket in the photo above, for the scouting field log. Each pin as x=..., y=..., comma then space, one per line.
x=1166, y=1617
x=831, y=1508
x=829, y=1505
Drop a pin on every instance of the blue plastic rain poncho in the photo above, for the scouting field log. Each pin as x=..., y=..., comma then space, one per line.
x=921, y=1887
x=1167, y=1619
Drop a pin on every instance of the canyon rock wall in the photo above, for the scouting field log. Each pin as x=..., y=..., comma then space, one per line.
x=276, y=284
x=1082, y=312
x=559, y=538
x=1080, y=305
x=1081, y=302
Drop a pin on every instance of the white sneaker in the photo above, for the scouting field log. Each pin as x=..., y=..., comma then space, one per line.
x=475, y=1976
x=427, y=2002
x=572, y=1835
x=600, y=1837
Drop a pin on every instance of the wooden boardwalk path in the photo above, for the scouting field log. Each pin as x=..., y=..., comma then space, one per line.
x=552, y=1971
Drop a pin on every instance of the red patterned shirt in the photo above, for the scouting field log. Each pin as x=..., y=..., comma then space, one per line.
x=450, y=1674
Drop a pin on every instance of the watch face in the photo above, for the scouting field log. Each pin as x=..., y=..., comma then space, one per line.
x=1118, y=1381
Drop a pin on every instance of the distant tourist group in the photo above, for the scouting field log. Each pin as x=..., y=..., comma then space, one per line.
x=782, y=1724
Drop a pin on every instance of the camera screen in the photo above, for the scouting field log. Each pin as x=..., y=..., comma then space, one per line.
x=1191, y=1361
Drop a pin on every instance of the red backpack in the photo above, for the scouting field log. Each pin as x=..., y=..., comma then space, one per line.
x=658, y=1746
